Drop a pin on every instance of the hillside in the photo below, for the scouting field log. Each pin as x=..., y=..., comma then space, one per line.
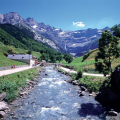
x=4, y=49
x=87, y=61
x=12, y=35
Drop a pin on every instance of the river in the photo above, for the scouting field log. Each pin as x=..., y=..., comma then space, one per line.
x=55, y=99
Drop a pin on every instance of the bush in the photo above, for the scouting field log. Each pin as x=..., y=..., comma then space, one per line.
x=73, y=76
x=79, y=74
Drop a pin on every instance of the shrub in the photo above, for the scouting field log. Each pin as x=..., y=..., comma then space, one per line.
x=73, y=76
x=79, y=74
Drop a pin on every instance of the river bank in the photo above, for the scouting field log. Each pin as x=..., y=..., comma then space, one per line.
x=54, y=98
x=86, y=85
x=16, y=85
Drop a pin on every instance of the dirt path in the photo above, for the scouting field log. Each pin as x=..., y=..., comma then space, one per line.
x=89, y=74
x=14, y=70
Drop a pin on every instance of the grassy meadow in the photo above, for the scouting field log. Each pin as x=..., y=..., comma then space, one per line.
x=12, y=83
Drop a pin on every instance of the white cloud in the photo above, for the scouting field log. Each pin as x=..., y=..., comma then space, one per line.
x=79, y=24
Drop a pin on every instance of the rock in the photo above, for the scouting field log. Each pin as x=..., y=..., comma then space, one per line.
x=75, y=82
x=2, y=96
x=93, y=94
x=48, y=106
x=112, y=113
x=23, y=93
x=33, y=83
x=70, y=89
x=83, y=88
x=14, y=117
x=46, y=74
x=3, y=106
x=81, y=84
x=82, y=93
x=69, y=81
x=2, y=113
x=83, y=119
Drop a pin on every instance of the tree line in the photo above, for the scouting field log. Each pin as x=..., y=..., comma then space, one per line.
x=108, y=50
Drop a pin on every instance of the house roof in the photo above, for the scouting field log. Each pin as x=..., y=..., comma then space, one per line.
x=15, y=57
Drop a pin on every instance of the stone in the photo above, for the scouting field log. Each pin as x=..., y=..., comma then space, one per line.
x=112, y=113
x=3, y=106
x=33, y=83
x=83, y=88
x=23, y=93
x=75, y=82
x=2, y=96
x=92, y=94
x=82, y=93
x=83, y=119
x=14, y=117
x=2, y=113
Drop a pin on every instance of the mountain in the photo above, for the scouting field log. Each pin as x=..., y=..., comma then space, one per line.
x=14, y=36
x=75, y=42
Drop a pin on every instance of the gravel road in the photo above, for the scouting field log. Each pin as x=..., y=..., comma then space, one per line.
x=13, y=70
x=89, y=74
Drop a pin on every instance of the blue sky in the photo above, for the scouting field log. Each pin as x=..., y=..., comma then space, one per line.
x=67, y=14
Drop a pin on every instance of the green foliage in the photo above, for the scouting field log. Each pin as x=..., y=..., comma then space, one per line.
x=8, y=62
x=11, y=83
x=73, y=76
x=79, y=73
x=59, y=57
x=91, y=83
x=52, y=58
x=116, y=30
x=86, y=55
x=29, y=52
x=108, y=51
x=68, y=58
x=7, y=39
x=45, y=57
x=12, y=35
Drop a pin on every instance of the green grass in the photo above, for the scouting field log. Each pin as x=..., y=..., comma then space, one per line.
x=18, y=50
x=4, y=61
x=77, y=63
x=11, y=83
x=92, y=83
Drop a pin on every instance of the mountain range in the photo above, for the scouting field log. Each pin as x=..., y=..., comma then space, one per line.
x=74, y=42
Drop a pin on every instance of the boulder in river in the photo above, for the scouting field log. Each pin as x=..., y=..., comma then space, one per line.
x=3, y=106
x=112, y=113
x=2, y=113
x=82, y=93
